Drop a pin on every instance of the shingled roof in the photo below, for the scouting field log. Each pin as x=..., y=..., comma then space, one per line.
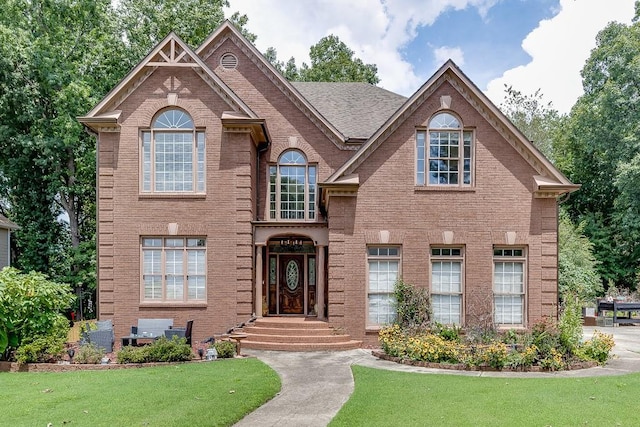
x=357, y=110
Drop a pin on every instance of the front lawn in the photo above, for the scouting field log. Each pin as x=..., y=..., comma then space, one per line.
x=206, y=394
x=389, y=398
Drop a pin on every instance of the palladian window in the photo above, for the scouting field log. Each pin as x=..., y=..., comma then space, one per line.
x=444, y=153
x=292, y=188
x=173, y=155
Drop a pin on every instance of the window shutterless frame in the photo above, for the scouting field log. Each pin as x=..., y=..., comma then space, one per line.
x=447, y=284
x=173, y=269
x=444, y=153
x=172, y=155
x=509, y=286
x=383, y=269
x=292, y=188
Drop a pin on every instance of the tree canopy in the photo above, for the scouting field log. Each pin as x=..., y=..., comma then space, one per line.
x=57, y=60
x=602, y=148
x=331, y=61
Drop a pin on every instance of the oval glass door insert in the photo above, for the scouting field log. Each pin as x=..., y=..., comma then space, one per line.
x=293, y=274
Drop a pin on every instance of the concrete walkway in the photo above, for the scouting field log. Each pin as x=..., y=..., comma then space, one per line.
x=315, y=385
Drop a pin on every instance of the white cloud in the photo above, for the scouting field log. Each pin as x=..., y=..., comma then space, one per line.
x=375, y=30
x=379, y=30
x=559, y=48
x=444, y=53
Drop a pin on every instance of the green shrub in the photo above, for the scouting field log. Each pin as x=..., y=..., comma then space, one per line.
x=89, y=353
x=598, y=348
x=447, y=332
x=570, y=324
x=45, y=348
x=225, y=349
x=161, y=350
x=412, y=305
x=30, y=305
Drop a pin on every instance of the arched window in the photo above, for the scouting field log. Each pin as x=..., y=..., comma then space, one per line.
x=173, y=155
x=447, y=149
x=292, y=188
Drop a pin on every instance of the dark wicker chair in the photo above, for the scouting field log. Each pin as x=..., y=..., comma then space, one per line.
x=181, y=332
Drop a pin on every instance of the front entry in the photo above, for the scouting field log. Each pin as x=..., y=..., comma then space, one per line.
x=291, y=273
x=291, y=284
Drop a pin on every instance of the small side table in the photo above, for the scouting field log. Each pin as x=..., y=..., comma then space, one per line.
x=238, y=337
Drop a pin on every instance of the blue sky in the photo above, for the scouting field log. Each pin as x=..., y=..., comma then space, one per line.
x=529, y=44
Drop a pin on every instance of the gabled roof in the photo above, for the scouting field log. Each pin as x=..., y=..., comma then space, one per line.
x=356, y=109
x=549, y=181
x=170, y=52
x=228, y=31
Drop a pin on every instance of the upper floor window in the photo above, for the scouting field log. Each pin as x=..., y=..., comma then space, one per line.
x=444, y=153
x=292, y=188
x=173, y=155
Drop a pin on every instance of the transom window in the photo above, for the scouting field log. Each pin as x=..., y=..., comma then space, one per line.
x=444, y=153
x=173, y=155
x=174, y=269
x=509, y=285
x=384, y=270
x=447, y=285
x=292, y=188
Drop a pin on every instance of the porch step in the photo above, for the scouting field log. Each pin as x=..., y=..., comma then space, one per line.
x=295, y=334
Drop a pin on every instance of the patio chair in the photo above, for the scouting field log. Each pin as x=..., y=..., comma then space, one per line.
x=181, y=332
x=102, y=337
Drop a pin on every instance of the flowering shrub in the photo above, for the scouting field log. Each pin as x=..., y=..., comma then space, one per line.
x=539, y=347
x=598, y=348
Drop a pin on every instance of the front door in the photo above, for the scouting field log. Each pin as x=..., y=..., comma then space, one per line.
x=291, y=284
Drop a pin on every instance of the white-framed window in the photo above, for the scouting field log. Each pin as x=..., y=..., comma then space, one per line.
x=384, y=270
x=447, y=284
x=173, y=155
x=509, y=284
x=174, y=269
x=444, y=153
x=292, y=188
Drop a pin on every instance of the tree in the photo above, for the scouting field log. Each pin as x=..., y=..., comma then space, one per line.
x=57, y=60
x=538, y=120
x=331, y=61
x=602, y=140
x=577, y=273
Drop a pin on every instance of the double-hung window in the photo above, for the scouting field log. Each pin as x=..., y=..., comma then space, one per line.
x=173, y=155
x=447, y=285
x=444, y=153
x=384, y=270
x=292, y=188
x=174, y=269
x=509, y=286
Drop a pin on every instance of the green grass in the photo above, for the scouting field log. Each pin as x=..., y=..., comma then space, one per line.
x=388, y=398
x=194, y=394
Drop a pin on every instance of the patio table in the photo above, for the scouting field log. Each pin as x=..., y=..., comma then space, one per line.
x=133, y=338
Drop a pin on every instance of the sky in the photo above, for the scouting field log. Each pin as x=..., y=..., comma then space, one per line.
x=526, y=44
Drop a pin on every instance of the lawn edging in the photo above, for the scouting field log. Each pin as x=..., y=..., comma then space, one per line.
x=462, y=367
x=68, y=367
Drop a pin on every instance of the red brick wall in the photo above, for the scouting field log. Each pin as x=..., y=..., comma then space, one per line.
x=416, y=218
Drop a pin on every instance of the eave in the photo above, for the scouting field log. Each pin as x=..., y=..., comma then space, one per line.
x=233, y=122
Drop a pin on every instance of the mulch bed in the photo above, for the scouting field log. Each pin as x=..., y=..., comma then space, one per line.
x=462, y=367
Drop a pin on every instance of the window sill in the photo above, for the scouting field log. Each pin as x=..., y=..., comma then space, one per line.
x=168, y=304
x=373, y=329
x=157, y=196
x=444, y=188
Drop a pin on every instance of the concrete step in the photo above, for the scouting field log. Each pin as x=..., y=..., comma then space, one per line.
x=259, y=345
x=318, y=339
x=295, y=334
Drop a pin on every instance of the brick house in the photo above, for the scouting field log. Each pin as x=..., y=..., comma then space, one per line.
x=225, y=190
